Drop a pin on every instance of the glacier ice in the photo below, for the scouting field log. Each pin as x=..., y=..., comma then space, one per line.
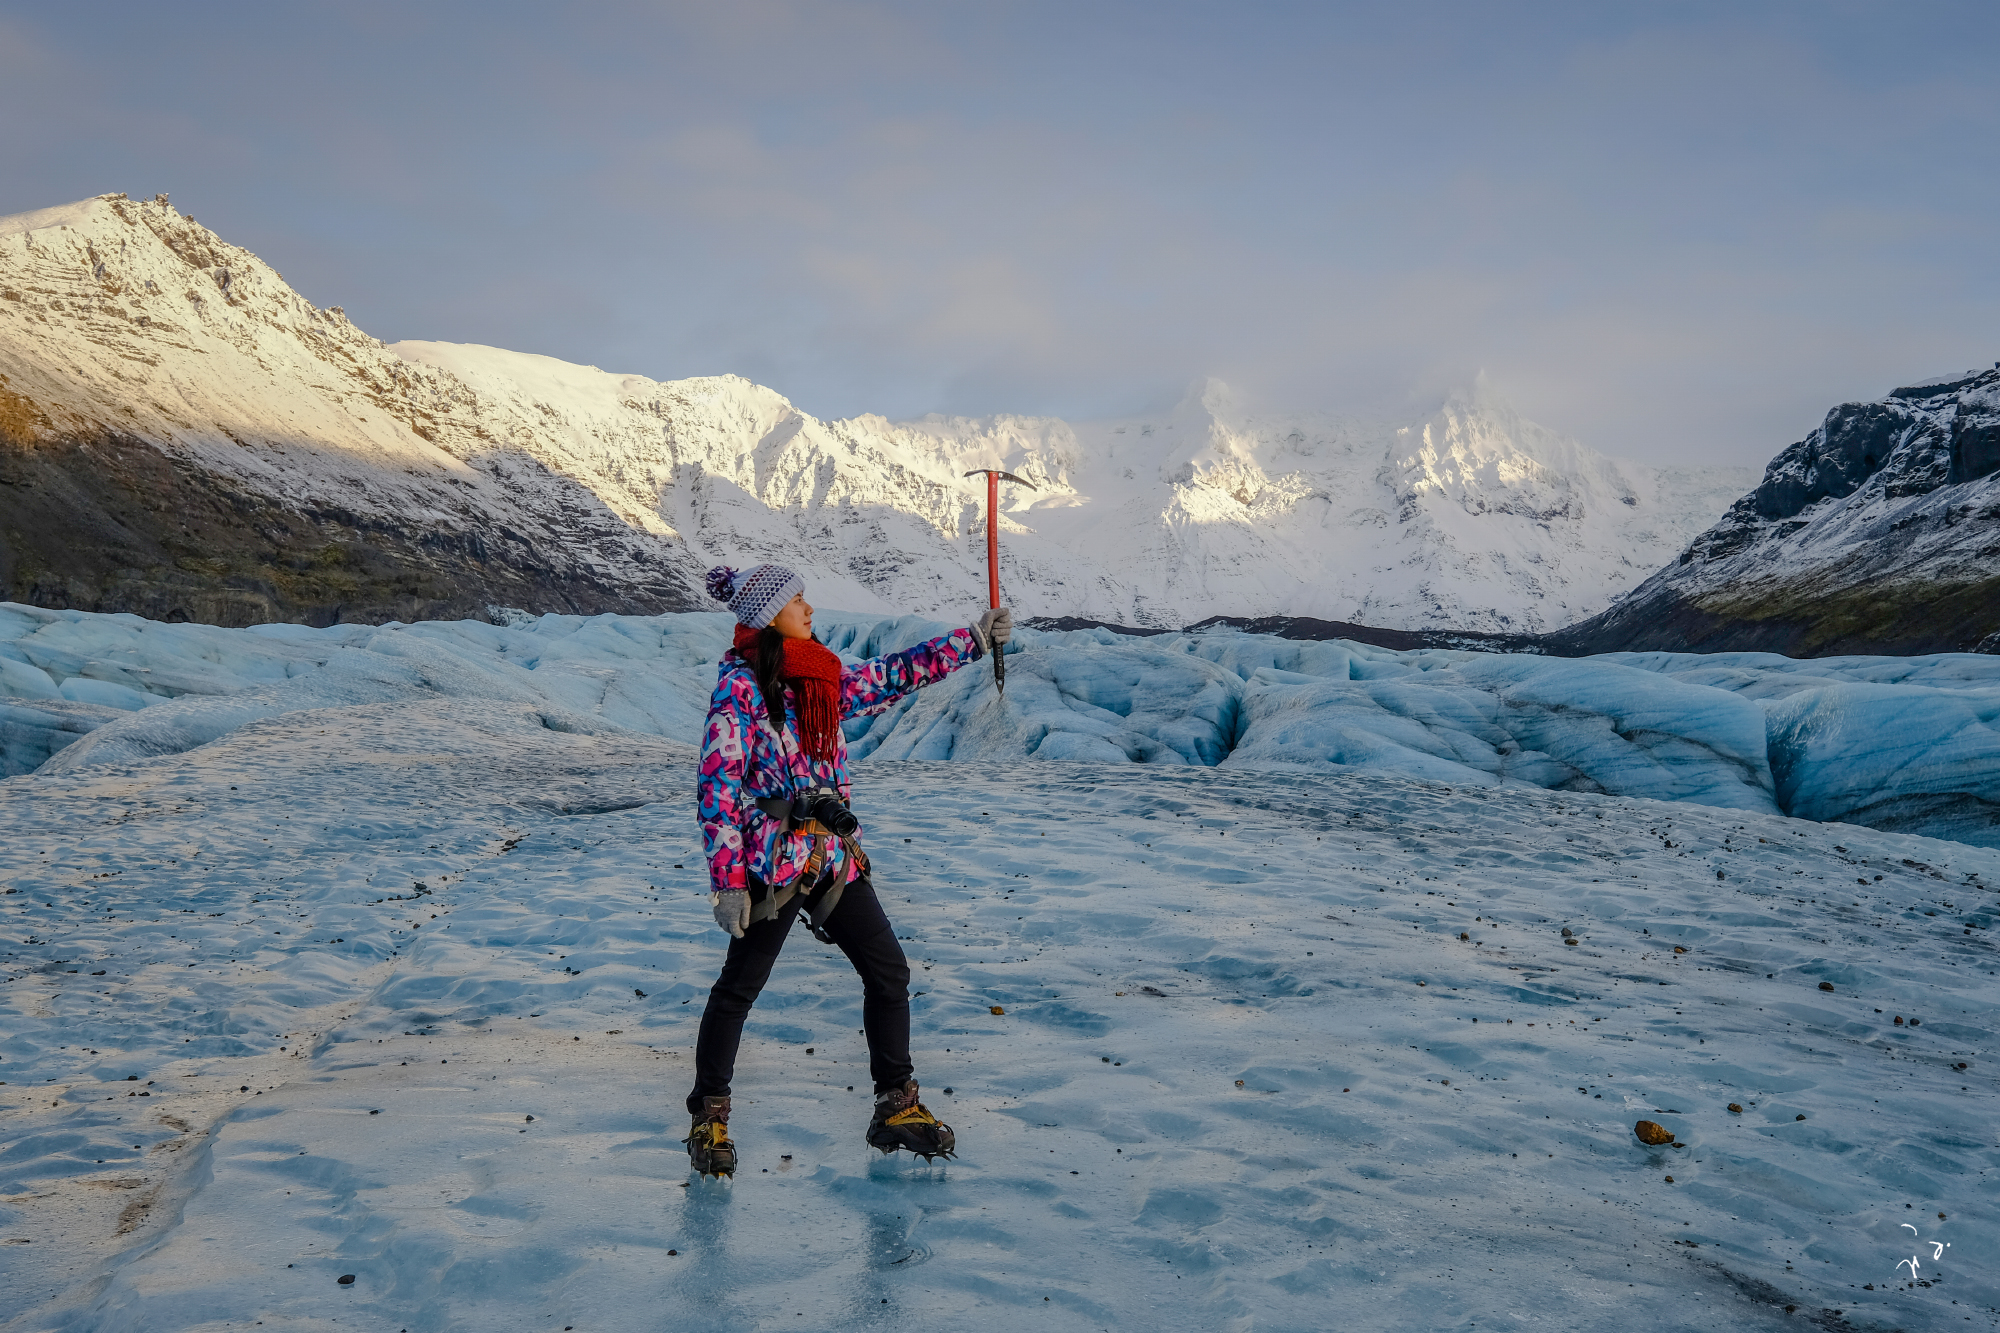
x=445, y=913
x=1891, y=757
x=1911, y=744
x=200, y=682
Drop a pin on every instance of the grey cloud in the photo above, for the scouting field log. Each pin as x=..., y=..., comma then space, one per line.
x=1679, y=237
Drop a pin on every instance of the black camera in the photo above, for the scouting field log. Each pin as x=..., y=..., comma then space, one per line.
x=824, y=804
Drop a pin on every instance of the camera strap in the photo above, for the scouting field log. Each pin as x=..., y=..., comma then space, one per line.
x=821, y=899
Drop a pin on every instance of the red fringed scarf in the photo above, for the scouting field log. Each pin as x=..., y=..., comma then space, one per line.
x=813, y=671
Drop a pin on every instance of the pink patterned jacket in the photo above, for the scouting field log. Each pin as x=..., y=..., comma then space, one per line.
x=744, y=758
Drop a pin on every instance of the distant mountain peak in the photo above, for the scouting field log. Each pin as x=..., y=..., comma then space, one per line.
x=272, y=461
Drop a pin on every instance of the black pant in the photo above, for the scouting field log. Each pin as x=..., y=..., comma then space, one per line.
x=861, y=930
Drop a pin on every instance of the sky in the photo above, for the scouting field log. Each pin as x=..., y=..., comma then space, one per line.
x=1679, y=233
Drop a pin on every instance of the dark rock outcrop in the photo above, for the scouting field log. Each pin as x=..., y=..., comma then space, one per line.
x=1877, y=533
x=115, y=524
x=1309, y=628
x=1396, y=640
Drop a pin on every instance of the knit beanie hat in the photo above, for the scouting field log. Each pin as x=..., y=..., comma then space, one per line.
x=757, y=594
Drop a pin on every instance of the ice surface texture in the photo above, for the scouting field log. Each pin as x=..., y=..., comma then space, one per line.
x=1898, y=743
x=1290, y=1050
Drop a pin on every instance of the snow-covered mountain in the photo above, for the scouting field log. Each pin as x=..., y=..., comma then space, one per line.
x=1469, y=517
x=1877, y=533
x=186, y=436
x=183, y=435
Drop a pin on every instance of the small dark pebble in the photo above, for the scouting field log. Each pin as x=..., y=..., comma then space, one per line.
x=531, y=1117
x=673, y=1252
x=636, y=991
x=347, y=1279
x=1826, y=985
x=374, y=1113
x=947, y=1092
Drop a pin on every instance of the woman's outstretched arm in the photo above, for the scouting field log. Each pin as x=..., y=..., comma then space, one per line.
x=872, y=686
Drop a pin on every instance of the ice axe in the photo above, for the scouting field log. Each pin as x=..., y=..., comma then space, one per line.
x=994, y=476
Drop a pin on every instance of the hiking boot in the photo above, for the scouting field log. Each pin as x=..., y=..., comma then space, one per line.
x=709, y=1149
x=901, y=1121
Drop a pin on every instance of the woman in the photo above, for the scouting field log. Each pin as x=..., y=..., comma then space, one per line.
x=780, y=840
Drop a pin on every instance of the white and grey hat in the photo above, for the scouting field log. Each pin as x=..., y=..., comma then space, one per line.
x=757, y=594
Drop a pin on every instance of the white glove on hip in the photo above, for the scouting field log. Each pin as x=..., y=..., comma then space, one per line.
x=993, y=628
x=732, y=910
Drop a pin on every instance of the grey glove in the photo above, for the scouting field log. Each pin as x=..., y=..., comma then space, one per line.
x=993, y=628
x=732, y=910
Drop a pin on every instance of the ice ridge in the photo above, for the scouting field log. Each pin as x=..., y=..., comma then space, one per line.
x=1905, y=744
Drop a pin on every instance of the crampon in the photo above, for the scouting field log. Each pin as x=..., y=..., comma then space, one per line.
x=709, y=1150
x=901, y=1121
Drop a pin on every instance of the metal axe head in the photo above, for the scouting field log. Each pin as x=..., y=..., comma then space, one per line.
x=1004, y=476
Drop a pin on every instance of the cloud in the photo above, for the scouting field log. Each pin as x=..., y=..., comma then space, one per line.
x=1679, y=236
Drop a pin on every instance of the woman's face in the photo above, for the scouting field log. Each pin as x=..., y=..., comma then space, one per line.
x=796, y=620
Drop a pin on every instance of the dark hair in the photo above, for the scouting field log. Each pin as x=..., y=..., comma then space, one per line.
x=767, y=659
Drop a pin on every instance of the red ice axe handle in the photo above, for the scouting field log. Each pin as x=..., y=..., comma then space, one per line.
x=994, y=476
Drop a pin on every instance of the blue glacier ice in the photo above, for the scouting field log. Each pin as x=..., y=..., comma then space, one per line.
x=1909, y=744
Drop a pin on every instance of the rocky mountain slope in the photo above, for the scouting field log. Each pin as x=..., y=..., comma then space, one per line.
x=184, y=436
x=1877, y=533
